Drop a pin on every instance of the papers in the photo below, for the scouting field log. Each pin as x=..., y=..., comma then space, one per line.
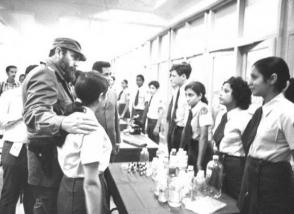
x=204, y=205
x=15, y=149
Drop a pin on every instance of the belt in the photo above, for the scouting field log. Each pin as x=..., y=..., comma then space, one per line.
x=224, y=156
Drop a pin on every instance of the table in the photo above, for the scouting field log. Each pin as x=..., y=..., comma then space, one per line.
x=131, y=153
x=134, y=195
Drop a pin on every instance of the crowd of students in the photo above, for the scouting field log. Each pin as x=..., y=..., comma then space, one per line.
x=61, y=131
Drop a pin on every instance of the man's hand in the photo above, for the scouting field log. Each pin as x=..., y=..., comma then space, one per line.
x=78, y=123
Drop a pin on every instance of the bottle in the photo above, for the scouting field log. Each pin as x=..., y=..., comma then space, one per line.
x=144, y=161
x=189, y=182
x=174, y=191
x=172, y=166
x=199, y=185
x=214, y=176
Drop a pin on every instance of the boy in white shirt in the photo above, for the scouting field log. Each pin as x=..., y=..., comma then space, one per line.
x=83, y=157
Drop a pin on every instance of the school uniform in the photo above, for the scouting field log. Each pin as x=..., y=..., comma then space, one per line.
x=176, y=117
x=266, y=183
x=139, y=103
x=232, y=125
x=199, y=116
x=122, y=100
x=154, y=105
x=77, y=151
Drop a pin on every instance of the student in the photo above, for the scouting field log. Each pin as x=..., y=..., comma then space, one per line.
x=178, y=106
x=236, y=97
x=269, y=137
x=154, y=112
x=195, y=135
x=83, y=157
x=139, y=99
x=123, y=100
x=10, y=83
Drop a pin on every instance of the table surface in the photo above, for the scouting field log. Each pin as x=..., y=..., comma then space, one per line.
x=136, y=138
x=136, y=194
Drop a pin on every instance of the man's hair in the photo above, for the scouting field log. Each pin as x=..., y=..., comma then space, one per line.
x=52, y=51
x=183, y=68
x=89, y=86
x=154, y=83
x=10, y=67
x=141, y=76
x=97, y=66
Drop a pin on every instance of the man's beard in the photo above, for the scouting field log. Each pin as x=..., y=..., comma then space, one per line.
x=69, y=71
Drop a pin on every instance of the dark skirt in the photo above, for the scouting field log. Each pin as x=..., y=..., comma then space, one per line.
x=233, y=173
x=193, y=155
x=71, y=196
x=266, y=187
x=121, y=108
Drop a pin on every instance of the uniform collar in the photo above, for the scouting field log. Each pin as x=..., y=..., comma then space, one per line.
x=267, y=108
x=197, y=108
x=233, y=112
x=55, y=67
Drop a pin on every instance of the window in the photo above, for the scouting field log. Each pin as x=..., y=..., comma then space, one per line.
x=196, y=36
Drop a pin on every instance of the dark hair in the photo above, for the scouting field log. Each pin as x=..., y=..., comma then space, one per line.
x=22, y=75
x=154, y=83
x=89, y=86
x=274, y=65
x=113, y=78
x=126, y=81
x=9, y=67
x=30, y=68
x=289, y=93
x=240, y=91
x=141, y=76
x=97, y=66
x=198, y=88
x=183, y=68
x=52, y=51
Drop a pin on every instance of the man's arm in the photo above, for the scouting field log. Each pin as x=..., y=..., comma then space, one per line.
x=40, y=93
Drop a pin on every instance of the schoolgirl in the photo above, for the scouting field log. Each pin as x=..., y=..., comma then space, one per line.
x=195, y=134
x=235, y=95
x=83, y=158
x=269, y=140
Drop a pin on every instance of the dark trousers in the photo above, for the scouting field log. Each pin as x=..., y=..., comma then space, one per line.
x=151, y=123
x=233, y=173
x=266, y=187
x=71, y=196
x=45, y=200
x=192, y=151
x=15, y=181
x=174, y=137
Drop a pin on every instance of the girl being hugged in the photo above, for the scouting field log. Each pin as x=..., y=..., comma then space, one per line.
x=195, y=134
x=83, y=158
x=235, y=95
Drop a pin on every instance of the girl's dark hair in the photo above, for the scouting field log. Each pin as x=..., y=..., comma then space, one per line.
x=154, y=83
x=274, y=65
x=125, y=81
x=198, y=88
x=89, y=86
x=240, y=92
x=289, y=93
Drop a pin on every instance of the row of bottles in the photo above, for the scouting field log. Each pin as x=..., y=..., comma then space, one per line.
x=174, y=180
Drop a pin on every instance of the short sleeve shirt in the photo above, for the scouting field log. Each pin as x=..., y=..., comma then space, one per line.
x=237, y=121
x=79, y=150
x=201, y=117
x=125, y=96
x=154, y=106
x=275, y=134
